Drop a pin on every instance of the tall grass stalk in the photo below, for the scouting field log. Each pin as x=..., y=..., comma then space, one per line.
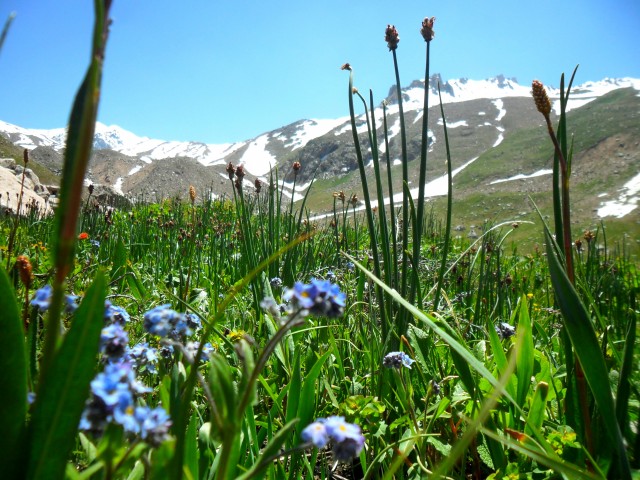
x=76, y=158
x=385, y=325
x=427, y=33
x=447, y=234
x=392, y=38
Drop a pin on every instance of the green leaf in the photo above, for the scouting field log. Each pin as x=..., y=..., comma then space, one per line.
x=624, y=385
x=271, y=451
x=524, y=353
x=63, y=390
x=500, y=359
x=224, y=395
x=460, y=360
x=191, y=447
x=13, y=378
x=536, y=412
x=307, y=406
x=585, y=343
x=135, y=284
x=293, y=391
x=433, y=324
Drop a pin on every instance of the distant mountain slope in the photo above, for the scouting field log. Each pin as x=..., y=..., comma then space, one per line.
x=492, y=125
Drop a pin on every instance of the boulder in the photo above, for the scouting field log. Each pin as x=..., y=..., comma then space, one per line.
x=10, y=185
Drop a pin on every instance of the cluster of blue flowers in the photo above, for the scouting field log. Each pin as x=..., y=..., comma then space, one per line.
x=114, y=342
x=143, y=357
x=320, y=297
x=347, y=439
x=397, y=360
x=42, y=300
x=113, y=395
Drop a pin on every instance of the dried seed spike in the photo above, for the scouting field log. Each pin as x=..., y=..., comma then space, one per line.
x=23, y=265
x=543, y=104
x=391, y=37
x=427, y=29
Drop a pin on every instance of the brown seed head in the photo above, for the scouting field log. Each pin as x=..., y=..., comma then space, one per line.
x=231, y=170
x=192, y=194
x=296, y=166
x=346, y=66
x=258, y=184
x=23, y=265
x=240, y=172
x=391, y=37
x=25, y=156
x=427, y=29
x=543, y=104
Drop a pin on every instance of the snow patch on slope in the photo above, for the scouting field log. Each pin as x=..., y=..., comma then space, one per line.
x=626, y=202
x=521, y=176
x=313, y=129
x=256, y=159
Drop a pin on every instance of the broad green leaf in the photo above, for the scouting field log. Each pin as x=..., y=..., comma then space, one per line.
x=135, y=284
x=224, y=395
x=13, y=378
x=524, y=353
x=63, y=390
x=624, y=385
x=585, y=343
x=191, y=447
x=501, y=360
x=538, y=405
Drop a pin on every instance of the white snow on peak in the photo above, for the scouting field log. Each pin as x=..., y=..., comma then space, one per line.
x=461, y=90
x=313, y=129
x=582, y=94
x=256, y=159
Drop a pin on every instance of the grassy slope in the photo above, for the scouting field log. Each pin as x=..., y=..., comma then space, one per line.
x=599, y=165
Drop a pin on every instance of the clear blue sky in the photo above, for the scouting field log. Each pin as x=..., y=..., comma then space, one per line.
x=224, y=71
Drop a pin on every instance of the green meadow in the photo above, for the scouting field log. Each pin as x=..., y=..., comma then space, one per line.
x=238, y=338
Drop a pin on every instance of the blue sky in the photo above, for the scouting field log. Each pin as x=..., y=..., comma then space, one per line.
x=225, y=71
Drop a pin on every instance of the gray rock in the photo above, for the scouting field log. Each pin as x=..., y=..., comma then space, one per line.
x=7, y=163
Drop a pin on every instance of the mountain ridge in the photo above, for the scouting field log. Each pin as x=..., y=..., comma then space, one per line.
x=480, y=115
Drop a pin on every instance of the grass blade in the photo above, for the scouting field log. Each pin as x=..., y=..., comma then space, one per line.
x=13, y=377
x=432, y=323
x=62, y=393
x=584, y=341
x=524, y=356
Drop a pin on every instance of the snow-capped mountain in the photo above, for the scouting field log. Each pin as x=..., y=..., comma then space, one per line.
x=480, y=113
x=292, y=137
